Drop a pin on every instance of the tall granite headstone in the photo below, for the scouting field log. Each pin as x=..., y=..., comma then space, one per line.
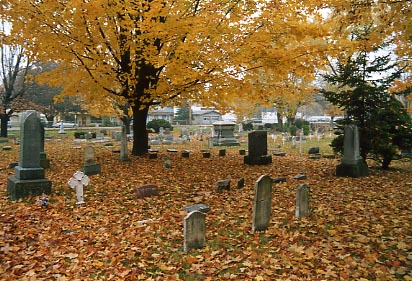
x=262, y=203
x=258, y=149
x=28, y=179
x=352, y=164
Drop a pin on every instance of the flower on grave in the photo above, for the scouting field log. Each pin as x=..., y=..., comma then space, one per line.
x=44, y=201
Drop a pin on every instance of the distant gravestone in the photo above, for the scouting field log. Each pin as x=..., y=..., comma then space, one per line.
x=147, y=190
x=240, y=183
x=185, y=153
x=278, y=180
x=167, y=163
x=224, y=134
x=302, y=201
x=262, y=203
x=352, y=164
x=257, y=149
x=29, y=175
x=222, y=152
x=90, y=167
x=194, y=231
x=44, y=162
x=314, y=150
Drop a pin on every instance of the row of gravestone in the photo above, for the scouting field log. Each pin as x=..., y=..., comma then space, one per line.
x=194, y=226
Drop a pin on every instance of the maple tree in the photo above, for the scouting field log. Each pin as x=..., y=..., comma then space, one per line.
x=152, y=52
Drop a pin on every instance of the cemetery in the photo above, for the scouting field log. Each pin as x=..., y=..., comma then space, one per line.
x=265, y=209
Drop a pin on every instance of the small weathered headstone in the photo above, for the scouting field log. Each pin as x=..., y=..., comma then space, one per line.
x=302, y=201
x=152, y=155
x=185, y=153
x=194, y=231
x=206, y=153
x=280, y=179
x=6, y=148
x=222, y=185
x=300, y=177
x=90, y=167
x=167, y=164
x=171, y=150
x=262, y=203
x=240, y=183
x=242, y=152
x=147, y=190
x=222, y=152
x=314, y=150
x=197, y=207
x=281, y=154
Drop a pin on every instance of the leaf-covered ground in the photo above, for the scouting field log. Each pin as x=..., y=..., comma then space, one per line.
x=359, y=229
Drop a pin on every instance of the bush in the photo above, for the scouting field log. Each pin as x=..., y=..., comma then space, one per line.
x=247, y=126
x=156, y=124
x=292, y=130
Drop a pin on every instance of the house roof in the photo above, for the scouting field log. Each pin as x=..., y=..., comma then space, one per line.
x=203, y=112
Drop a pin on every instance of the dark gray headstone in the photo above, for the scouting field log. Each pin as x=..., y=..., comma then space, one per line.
x=313, y=150
x=257, y=149
x=194, y=231
x=240, y=183
x=302, y=201
x=262, y=203
x=300, y=177
x=29, y=175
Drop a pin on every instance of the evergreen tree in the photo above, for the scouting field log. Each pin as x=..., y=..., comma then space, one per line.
x=362, y=83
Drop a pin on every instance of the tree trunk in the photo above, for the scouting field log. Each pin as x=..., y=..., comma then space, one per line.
x=140, y=136
x=4, y=120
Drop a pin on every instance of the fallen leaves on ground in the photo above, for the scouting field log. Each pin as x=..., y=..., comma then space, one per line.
x=359, y=229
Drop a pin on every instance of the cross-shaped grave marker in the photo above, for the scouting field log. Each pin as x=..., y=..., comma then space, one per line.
x=78, y=180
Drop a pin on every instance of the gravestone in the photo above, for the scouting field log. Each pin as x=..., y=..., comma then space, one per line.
x=206, y=153
x=194, y=231
x=147, y=190
x=224, y=134
x=167, y=163
x=240, y=183
x=185, y=153
x=302, y=201
x=44, y=162
x=257, y=149
x=222, y=185
x=90, y=167
x=278, y=180
x=222, y=152
x=124, y=156
x=314, y=150
x=197, y=207
x=262, y=203
x=352, y=164
x=29, y=175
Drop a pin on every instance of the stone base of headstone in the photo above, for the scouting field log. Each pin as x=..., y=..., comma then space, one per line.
x=22, y=188
x=44, y=162
x=315, y=156
x=257, y=160
x=360, y=169
x=91, y=169
x=124, y=159
x=28, y=173
x=206, y=154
